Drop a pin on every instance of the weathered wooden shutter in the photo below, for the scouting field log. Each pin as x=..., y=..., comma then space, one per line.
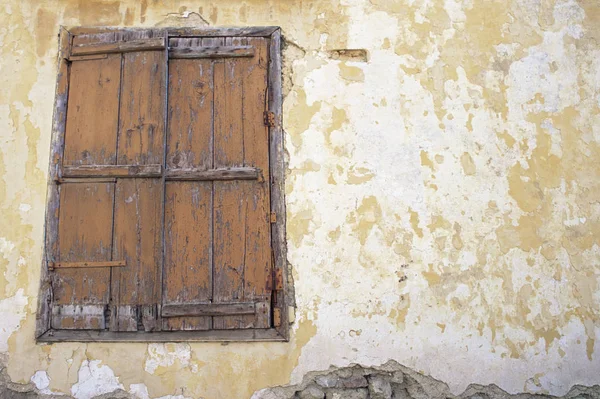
x=217, y=237
x=109, y=226
x=164, y=229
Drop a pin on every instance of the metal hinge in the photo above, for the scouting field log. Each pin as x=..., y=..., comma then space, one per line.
x=269, y=118
x=273, y=217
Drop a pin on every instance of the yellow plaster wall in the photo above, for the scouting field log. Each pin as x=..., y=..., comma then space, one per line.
x=443, y=195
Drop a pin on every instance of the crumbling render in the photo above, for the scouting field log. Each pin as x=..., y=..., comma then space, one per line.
x=389, y=381
x=393, y=381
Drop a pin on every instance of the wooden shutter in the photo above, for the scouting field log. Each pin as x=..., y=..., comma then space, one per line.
x=163, y=185
x=217, y=243
x=110, y=212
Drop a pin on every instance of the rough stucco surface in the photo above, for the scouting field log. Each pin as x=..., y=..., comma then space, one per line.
x=442, y=193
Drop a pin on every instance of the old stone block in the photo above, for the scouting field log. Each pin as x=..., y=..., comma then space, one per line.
x=327, y=381
x=379, y=387
x=311, y=392
x=358, y=393
x=397, y=377
x=357, y=380
x=345, y=372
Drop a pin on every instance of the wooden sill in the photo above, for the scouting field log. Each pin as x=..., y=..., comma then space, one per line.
x=249, y=335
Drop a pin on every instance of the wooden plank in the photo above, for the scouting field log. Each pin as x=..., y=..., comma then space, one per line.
x=189, y=144
x=258, y=31
x=264, y=31
x=248, y=335
x=155, y=43
x=120, y=171
x=258, y=272
x=79, y=317
x=277, y=168
x=209, y=309
x=93, y=112
x=141, y=125
x=230, y=208
x=87, y=180
x=137, y=239
x=87, y=57
x=243, y=173
x=59, y=119
x=83, y=265
x=187, y=273
x=85, y=229
x=138, y=202
x=211, y=52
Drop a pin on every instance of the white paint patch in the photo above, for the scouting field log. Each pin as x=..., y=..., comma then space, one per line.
x=12, y=312
x=94, y=379
x=41, y=380
x=24, y=208
x=165, y=355
x=140, y=391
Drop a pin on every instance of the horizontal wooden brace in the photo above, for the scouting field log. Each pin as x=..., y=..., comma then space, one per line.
x=209, y=309
x=211, y=52
x=242, y=335
x=213, y=174
x=155, y=43
x=86, y=180
x=89, y=171
x=81, y=265
x=87, y=57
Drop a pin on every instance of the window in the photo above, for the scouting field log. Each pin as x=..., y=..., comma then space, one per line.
x=165, y=216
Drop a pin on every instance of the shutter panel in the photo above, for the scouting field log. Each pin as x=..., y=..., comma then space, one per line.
x=188, y=207
x=216, y=106
x=139, y=201
x=86, y=210
x=109, y=216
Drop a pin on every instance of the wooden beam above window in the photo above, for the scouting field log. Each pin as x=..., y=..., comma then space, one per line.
x=155, y=43
x=211, y=52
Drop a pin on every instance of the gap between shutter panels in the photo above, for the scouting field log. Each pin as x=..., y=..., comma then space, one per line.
x=136, y=171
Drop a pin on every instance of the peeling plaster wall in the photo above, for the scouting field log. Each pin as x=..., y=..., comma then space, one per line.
x=443, y=195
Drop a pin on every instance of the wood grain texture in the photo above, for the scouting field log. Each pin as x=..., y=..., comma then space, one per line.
x=229, y=212
x=264, y=31
x=258, y=31
x=242, y=173
x=85, y=229
x=241, y=208
x=247, y=335
x=137, y=239
x=209, y=309
x=155, y=43
x=59, y=119
x=120, y=171
x=79, y=317
x=93, y=112
x=277, y=167
x=187, y=275
x=258, y=272
x=188, y=206
x=141, y=127
x=86, y=264
x=211, y=52
x=138, y=202
x=189, y=143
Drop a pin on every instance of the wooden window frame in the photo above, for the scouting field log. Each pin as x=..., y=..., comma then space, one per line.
x=44, y=332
